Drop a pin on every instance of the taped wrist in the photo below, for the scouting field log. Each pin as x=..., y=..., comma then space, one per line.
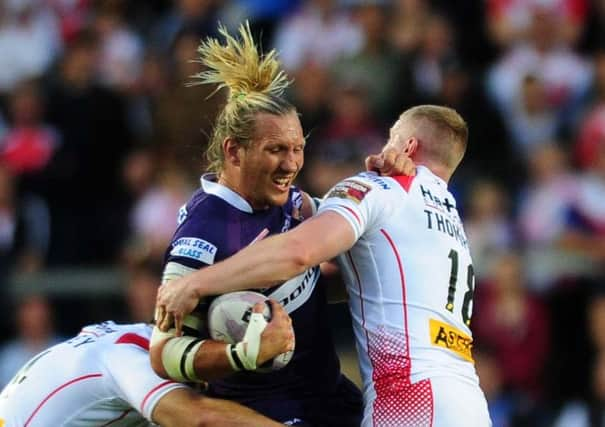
x=243, y=355
x=178, y=357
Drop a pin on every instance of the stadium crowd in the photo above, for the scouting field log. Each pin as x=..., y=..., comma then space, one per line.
x=101, y=142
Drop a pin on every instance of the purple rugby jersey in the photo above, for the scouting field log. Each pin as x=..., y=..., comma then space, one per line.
x=215, y=224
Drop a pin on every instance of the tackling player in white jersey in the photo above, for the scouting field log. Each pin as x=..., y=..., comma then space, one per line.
x=103, y=377
x=408, y=272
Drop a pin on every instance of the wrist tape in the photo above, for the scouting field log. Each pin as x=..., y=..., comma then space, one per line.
x=178, y=354
x=243, y=355
x=178, y=357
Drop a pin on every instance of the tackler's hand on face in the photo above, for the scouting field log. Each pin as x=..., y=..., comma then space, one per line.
x=174, y=301
x=278, y=335
x=393, y=160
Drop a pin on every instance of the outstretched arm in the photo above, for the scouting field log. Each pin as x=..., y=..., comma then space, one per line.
x=187, y=359
x=265, y=263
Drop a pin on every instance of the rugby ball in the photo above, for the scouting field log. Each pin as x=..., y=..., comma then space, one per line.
x=228, y=317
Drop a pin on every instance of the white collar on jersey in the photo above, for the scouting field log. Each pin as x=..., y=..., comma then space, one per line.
x=438, y=180
x=211, y=186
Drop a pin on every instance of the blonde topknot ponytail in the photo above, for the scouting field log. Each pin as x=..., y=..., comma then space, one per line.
x=255, y=83
x=238, y=66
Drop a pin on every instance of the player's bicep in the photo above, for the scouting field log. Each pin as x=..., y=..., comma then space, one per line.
x=324, y=236
x=134, y=379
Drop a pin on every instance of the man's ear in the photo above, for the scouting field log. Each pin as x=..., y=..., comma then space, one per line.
x=231, y=150
x=411, y=146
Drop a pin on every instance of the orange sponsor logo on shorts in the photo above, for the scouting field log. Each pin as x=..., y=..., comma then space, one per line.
x=446, y=336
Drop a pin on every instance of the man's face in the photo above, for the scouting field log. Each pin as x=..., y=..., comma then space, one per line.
x=271, y=162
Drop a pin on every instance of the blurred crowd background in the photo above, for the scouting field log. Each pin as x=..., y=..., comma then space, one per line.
x=101, y=142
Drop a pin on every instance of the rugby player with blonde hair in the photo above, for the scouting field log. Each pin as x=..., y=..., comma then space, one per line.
x=409, y=274
x=255, y=153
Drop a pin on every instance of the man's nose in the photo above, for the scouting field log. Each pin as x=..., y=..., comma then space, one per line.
x=291, y=163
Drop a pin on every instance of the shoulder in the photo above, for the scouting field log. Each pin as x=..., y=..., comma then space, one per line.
x=380, y=183
x=359, y=186
x=201, y=205
x=202, y=228
x=202, y=214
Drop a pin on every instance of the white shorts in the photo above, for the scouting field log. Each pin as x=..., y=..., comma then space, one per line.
x=434, y=402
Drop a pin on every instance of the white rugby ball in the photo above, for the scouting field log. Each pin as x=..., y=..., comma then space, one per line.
x=228, y=317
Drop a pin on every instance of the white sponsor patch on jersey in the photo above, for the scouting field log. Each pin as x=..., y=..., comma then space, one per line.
x=194, y=248
x=295, y=292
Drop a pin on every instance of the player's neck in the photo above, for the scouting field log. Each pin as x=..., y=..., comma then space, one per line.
x=437, y=169
x=232, y=181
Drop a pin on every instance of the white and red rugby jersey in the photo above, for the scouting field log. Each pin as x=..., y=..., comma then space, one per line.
x=100, y=377
x=409, y=277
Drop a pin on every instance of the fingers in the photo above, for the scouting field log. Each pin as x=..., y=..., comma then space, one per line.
x=162, y=320
x=404, y=166
x=165, y=322
x=277, y=308
x=279, y=313
x=397, y=163
x=409, y=167
x=374, y=162
x=282, y=319
x=278, y=336
x=389, y=162
x=160, y=315
x=390, y=156
x=259, y=307
x=178, y=324
x=291, y=343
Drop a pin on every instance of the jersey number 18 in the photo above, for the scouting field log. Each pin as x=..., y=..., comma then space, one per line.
x=470, y=283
